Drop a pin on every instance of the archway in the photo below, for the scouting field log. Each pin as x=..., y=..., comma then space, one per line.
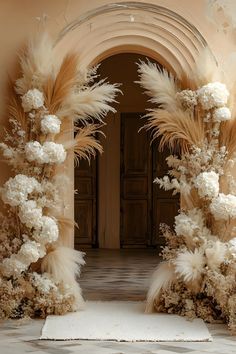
x=148, y=29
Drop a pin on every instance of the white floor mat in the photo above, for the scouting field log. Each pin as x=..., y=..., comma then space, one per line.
x=123, y=321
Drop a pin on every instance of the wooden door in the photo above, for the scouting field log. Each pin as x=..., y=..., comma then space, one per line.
x=135, y=222
x=144, y=206
x=165, y=205
x=85, y=204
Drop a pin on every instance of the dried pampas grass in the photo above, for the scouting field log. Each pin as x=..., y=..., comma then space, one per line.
x=161, y=280
x=159, y=84
x=37, y=63
x=58, y=89
x=91, y=103
x=85, y=144
x=176, y=129
x=64, y=265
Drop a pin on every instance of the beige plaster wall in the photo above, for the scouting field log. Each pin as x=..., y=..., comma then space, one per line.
x=20, y=18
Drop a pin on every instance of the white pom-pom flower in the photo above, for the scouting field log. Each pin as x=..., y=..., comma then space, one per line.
x=50, y=124
x=55, y=152
x=47, y=231
x=187, y=224
x=223, y=207
x=30, y=214
x=221, y=114
x=207, y=184
x=30, y=252
x=48, y=153
x=35, y=152
x=32, y=99
x=16, y=190
x=213, y=95
x=190, y=265
x=12, y=266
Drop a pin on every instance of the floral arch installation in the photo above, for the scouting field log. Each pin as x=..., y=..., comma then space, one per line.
x=38, y=272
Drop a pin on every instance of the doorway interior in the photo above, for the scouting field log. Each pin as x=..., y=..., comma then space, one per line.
x=117, y=205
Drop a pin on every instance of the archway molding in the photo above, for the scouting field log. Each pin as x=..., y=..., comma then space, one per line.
x=139, y=27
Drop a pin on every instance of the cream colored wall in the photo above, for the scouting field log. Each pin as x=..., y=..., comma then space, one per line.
x=20, y=18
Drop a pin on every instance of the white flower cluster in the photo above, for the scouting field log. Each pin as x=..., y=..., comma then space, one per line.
x=43, y=282
x=48, y=153
x=50, y=124
x=223, y=207
x=213, y=95
x=207, y=184
x=187, y=224
x=32, y=99
x=16, y=190
x=187, y=98
x=221, y=114
x=47, y=230
x=29, y=252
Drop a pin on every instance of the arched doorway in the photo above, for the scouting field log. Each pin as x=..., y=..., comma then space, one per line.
x=117, y=205
x=138, y=27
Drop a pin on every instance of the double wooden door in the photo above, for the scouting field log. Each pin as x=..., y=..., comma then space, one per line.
x=143, y=205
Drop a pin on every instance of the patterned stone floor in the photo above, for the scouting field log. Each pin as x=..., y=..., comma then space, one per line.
x=110, y=275
x=118, y=274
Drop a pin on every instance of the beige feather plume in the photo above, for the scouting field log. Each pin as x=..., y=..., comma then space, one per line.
x=176, y=129
x=65, y=226
x=85, y=144
x=37, y=62
x=162, y=278
x=92, y=102
x=64, y=264
x=159, y=84
x=57, y=90
x=227, y=136
x=16, y=111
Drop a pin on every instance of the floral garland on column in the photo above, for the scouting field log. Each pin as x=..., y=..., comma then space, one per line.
x=196, y=117
x=38, y=273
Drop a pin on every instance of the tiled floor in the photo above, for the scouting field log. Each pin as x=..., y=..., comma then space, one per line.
x=118, y=274
x=108, y=275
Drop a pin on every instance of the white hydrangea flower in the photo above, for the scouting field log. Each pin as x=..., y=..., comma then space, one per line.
x=223, y=207
x=30, y=252
x=30, y=214
x=42, y=282
x=221, y=114
x=50, y=124
x=48, y=231
x=207, y=184
x=213, y=95
x=49, y=152
x=35, y=152
x=186, y=225
x=15, y=191
x=12, y=266
x=55, y=152
x=32, y=99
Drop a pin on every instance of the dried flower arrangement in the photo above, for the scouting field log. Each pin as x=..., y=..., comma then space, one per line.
x=196, y=115
x=38, y=273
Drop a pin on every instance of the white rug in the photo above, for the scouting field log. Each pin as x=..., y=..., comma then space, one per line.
x=123, y=321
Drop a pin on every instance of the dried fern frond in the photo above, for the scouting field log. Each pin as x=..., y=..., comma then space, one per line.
x=92, y=102
x=176, y=129
x=37, y=62
x=228, y=136
x=56, y=91
x=159, y=84
x=85, y=144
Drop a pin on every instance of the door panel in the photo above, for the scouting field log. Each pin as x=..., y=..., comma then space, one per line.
x=85, y=204
x=135, y=182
